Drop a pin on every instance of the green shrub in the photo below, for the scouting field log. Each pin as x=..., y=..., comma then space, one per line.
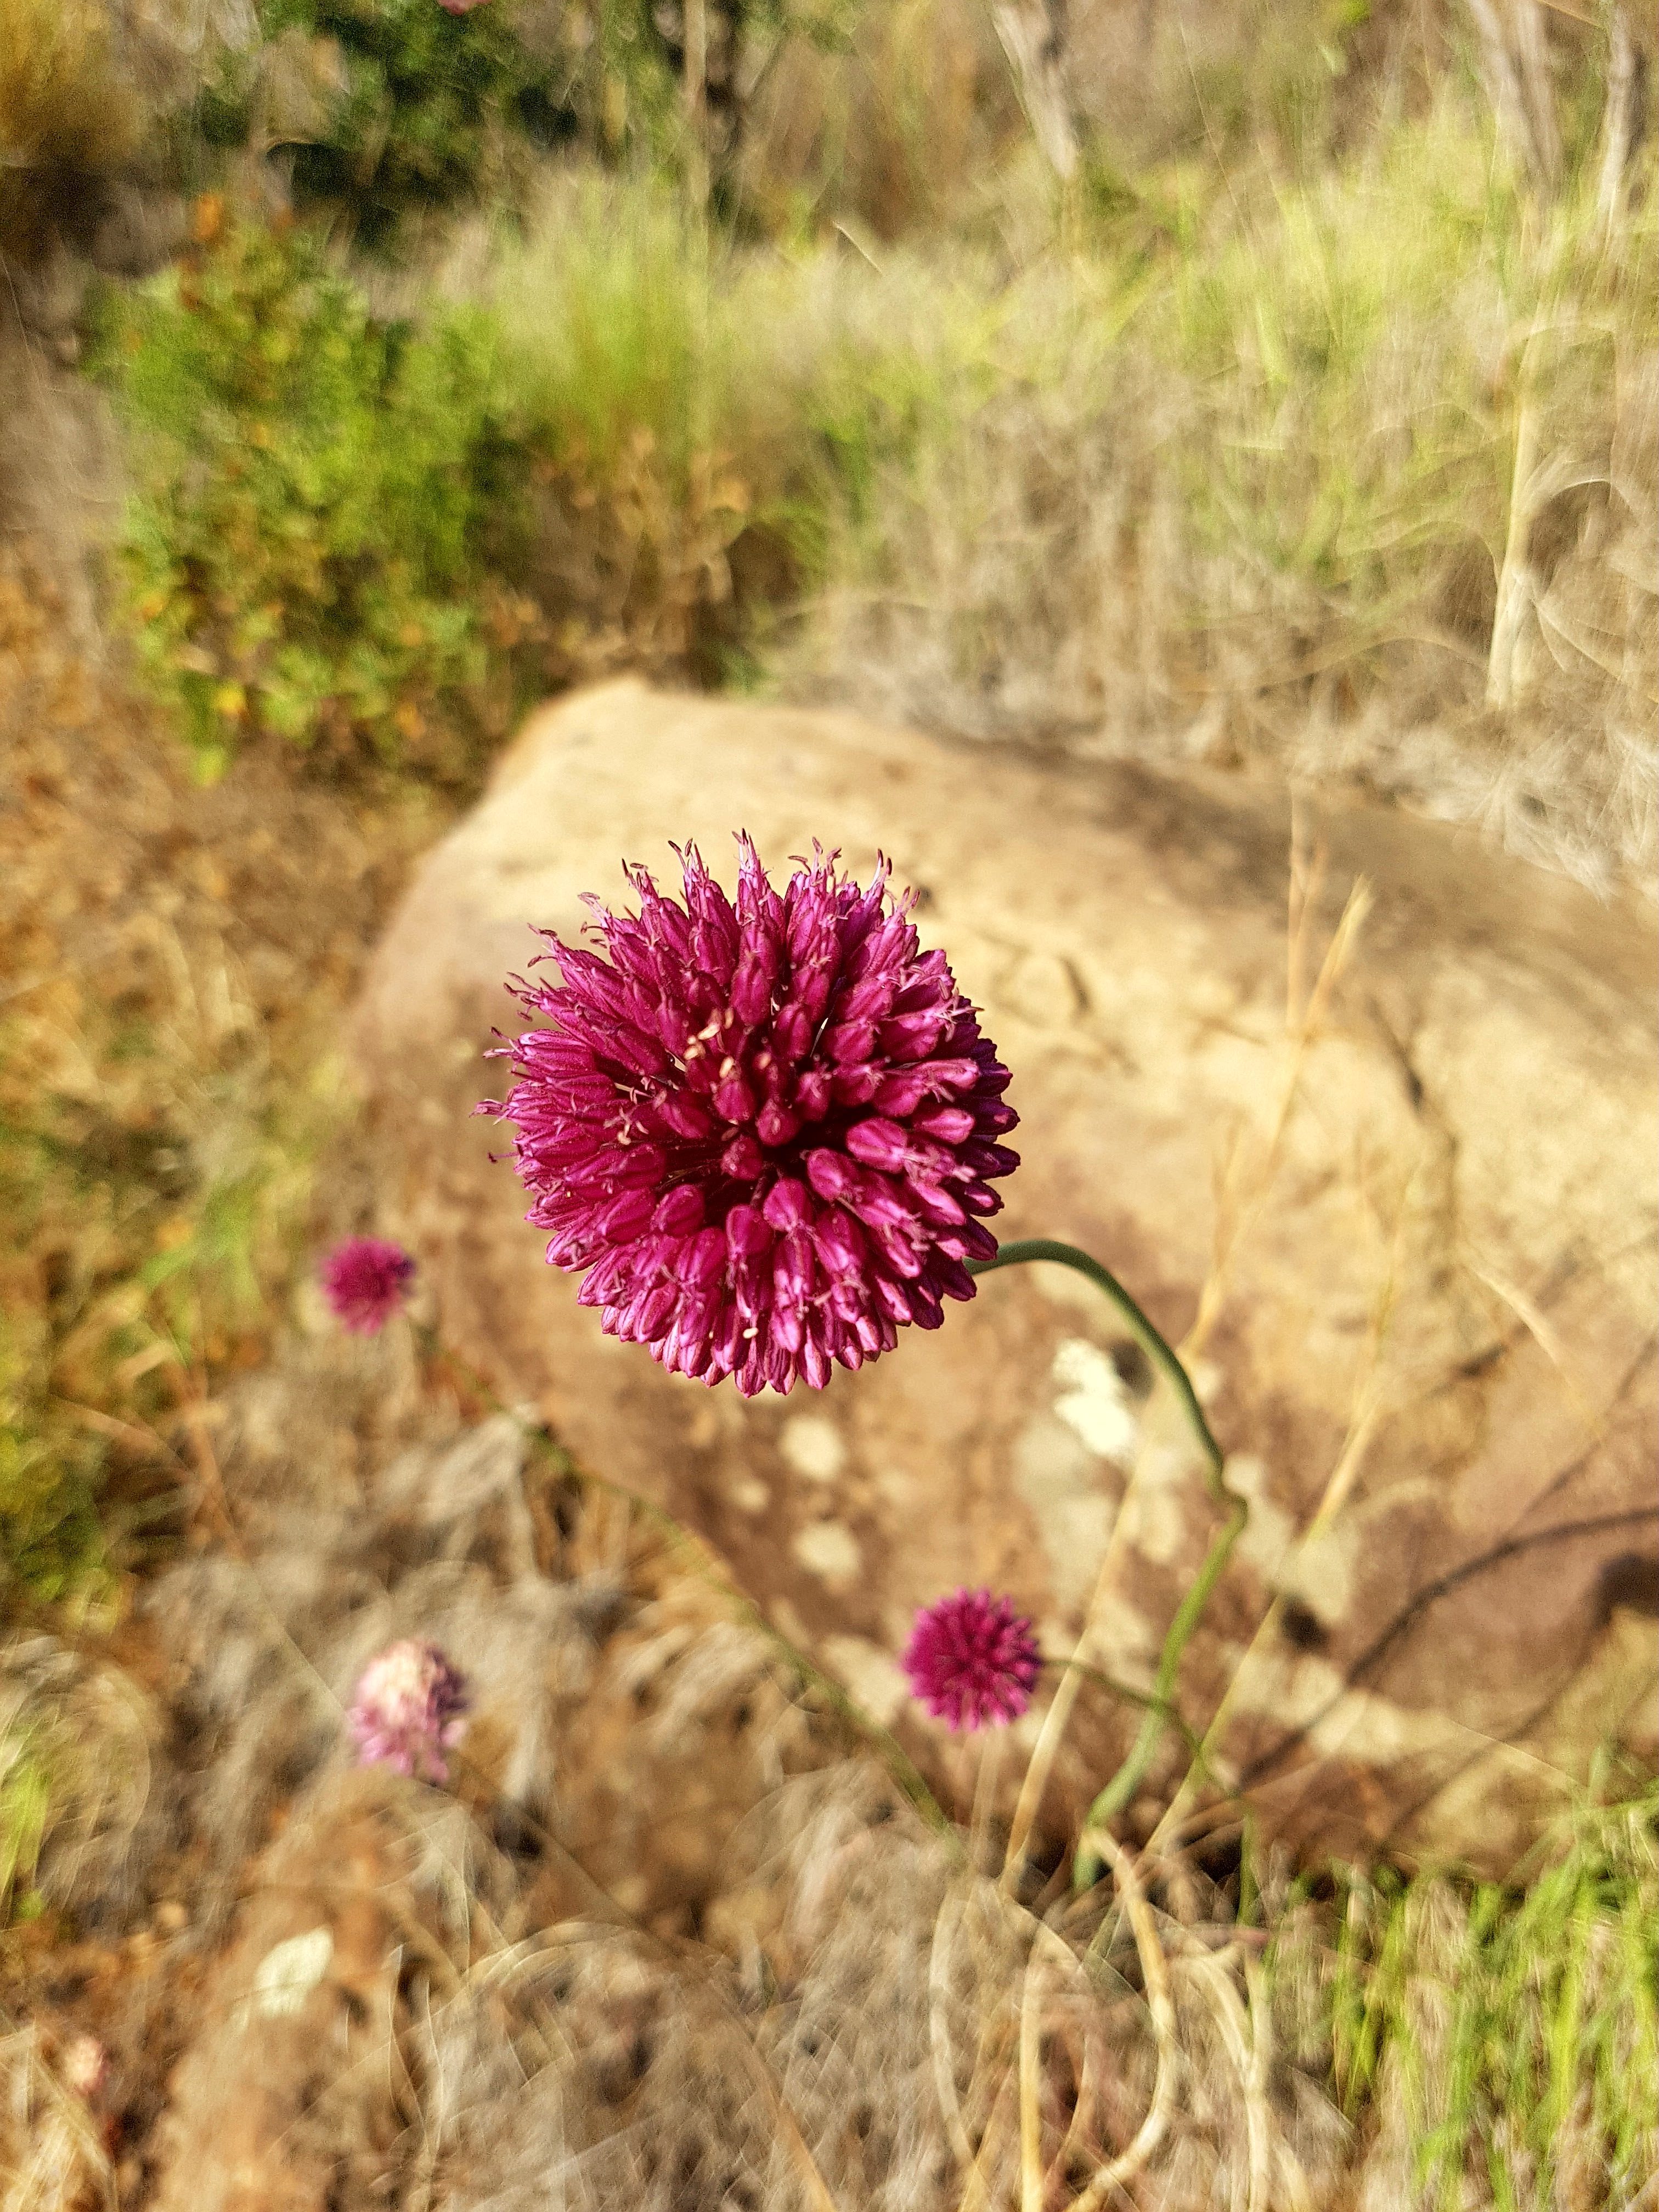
x=414, y=107
x=322, y=505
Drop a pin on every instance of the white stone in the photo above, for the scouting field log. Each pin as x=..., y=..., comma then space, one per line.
x=1095, y=1400
x=813, y=1447
x=829, y=1550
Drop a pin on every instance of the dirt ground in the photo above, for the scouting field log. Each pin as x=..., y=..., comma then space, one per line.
x=278, y=1501
x=668, y=1939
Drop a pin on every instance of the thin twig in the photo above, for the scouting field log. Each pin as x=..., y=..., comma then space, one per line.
x=1032, y=2175
x=1210, y=1970
x=1154, y=1969
x=938, y=2029
x=1233, y=1227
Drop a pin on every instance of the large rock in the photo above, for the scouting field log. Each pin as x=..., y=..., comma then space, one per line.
x=1418, y=1251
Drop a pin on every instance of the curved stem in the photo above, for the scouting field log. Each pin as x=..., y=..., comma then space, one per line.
x=1160, y=1710
x=1155, y=1707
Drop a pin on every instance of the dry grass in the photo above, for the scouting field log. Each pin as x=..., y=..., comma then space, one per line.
x=1347, y=475
x=171, y=967
x=672, y=1942
x=1352, y=481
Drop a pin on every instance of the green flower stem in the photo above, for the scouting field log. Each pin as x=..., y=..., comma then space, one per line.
x=1154, y=1707
x=1119, y=1791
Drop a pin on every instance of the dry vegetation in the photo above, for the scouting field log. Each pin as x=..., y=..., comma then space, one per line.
x=1351, y=479
x=1313, y=433
x=672, y=1940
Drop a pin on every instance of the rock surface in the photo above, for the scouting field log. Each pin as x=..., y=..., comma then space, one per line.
x=1409, y=1222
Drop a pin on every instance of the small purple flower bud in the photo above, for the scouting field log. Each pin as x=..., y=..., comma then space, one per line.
x=972, y=1659
x=365, y=1281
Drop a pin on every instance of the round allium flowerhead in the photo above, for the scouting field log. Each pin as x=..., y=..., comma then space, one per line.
x=365, y=1281
x=409, y=1707
x=972, y=1660
x=765, y=1133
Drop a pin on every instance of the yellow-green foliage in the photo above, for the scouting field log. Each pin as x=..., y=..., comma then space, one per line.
x=25, y=1802
x=322, y=504
x=1510, y=2036
x=373, y=538
x=1354, y=348
x=802, y=378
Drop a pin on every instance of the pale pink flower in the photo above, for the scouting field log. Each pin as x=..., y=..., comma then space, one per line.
x=409, y=1708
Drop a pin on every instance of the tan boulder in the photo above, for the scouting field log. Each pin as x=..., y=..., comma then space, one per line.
x=1409, y=1208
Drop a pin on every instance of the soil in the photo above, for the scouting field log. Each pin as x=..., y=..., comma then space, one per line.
x=173, y=961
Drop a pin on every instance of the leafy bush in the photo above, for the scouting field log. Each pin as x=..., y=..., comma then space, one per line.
x=323, y=502
x=418, y=108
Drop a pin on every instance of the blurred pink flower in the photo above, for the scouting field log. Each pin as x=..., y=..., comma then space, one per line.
x=972, y=1660
x=764, y=1132
x=460, y=7
x=84, y=2065
x=410, y=1706
x=365, y=1281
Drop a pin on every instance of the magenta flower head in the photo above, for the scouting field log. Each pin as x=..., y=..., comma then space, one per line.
x=972, y=1660
x=763, y=1132
x=365, y=1281
x=408, y=1709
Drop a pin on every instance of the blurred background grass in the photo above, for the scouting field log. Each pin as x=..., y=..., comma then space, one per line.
x=1297, y=412
x=1275, y=386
